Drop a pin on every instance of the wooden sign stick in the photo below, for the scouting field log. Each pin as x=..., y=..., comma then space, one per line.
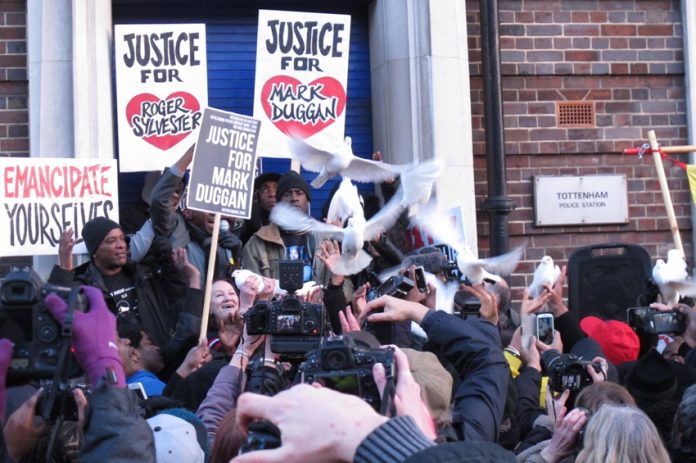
x=655, y=147
x=212, y=258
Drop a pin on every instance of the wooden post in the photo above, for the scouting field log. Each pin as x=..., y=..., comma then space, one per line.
x=665, y=190
x=212, y=258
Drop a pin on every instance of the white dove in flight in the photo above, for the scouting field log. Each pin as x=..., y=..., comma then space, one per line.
x=672, y=278
x=340, y=160
x=353, y=236
x=476, y=270
x=546, y=273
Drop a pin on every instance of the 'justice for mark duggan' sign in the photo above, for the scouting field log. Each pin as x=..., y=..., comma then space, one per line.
x=587, y=200
x=222, y=174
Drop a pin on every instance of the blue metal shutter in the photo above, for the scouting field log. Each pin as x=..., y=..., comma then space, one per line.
x=231, y=45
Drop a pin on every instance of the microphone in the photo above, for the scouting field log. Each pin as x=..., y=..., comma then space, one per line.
x=225, y=227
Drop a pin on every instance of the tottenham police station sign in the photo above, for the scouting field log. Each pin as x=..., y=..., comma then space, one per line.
x=586, y=200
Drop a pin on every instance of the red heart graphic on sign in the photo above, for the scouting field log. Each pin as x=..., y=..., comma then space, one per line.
x=159, y=109
x=281, y=90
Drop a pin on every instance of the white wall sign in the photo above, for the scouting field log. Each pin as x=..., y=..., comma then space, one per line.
x=162, y=88
x=41, y=197
x=301, y=78
x=586, y=200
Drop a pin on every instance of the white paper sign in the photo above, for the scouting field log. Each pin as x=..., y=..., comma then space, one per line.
x=587, y=200
x=41, y=197
x=162, y=88
x=301, y=78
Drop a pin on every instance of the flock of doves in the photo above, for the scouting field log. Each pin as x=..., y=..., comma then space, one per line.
x=346, y=223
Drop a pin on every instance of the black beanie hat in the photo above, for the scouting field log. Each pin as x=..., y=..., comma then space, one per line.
x=291, y=179
x=95, y=231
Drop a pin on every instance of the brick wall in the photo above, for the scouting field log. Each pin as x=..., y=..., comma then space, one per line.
x=626, y=57
x=14, y=116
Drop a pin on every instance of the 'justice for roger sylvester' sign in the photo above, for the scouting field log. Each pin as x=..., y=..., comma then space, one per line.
x=587, y=200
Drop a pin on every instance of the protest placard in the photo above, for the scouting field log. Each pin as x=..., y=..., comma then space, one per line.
x=222, y=172
x=301, y=78
x=41, y=197
x=161, y=86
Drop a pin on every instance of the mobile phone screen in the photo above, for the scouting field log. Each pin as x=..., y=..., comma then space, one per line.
x=421, y=283
x=544, y=328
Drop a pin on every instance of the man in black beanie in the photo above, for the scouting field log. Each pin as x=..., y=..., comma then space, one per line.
x=271, y=244
x=155, y=298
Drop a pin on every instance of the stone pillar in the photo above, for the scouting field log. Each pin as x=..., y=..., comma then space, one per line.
x=69, y=46
x=92, y=39
x=421, y=107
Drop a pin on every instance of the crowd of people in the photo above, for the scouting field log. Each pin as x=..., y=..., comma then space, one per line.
x=446, y=387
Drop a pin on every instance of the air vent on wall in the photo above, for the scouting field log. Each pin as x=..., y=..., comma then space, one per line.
x=575, y=114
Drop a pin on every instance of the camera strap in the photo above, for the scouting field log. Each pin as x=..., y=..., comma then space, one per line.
x=60, y=375
x=387, y=406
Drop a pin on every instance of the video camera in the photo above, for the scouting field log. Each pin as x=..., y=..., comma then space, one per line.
x=36, y=335
x=567, y=371
x=653, y=321
x=295, y=327
x=343, y=366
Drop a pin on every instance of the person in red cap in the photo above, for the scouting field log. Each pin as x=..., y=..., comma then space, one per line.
x=618, y=341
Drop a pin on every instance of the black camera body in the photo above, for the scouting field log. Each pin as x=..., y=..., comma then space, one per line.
x=653, y=321
x=63, y=406
x=467, y=305
x=263, y=435
x=396, y=285
x=296, y=327
x=341, y=365
x=36, y=335
x=567, y=371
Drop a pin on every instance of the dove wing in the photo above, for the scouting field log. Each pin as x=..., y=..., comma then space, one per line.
x=292, y=219
x=418, y=181
x=311, y=157
x=345, y=203
x=537, y=281
x=384, y=219
x=504, y=264
x=367, y=170
x=684, y=288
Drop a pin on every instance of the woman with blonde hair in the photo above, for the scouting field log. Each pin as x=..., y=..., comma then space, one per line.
x=617, y=434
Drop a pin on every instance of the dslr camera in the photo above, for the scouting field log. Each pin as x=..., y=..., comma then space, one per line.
x=343, y=366
x=653, y=321
x=295, y=327
x=567, y=371
x=36, y=335
x=397, y=286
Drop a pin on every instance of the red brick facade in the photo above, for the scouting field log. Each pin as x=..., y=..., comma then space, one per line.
x=626, y=57
x=14, y=115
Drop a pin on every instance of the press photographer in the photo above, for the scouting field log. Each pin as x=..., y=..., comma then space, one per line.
x=113, y=430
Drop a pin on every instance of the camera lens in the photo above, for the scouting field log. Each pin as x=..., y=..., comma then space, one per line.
x=336, y=359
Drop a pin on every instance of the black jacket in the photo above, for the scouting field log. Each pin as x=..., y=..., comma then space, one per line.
x=115, y=431
x=161, y=297
x=473, y=348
